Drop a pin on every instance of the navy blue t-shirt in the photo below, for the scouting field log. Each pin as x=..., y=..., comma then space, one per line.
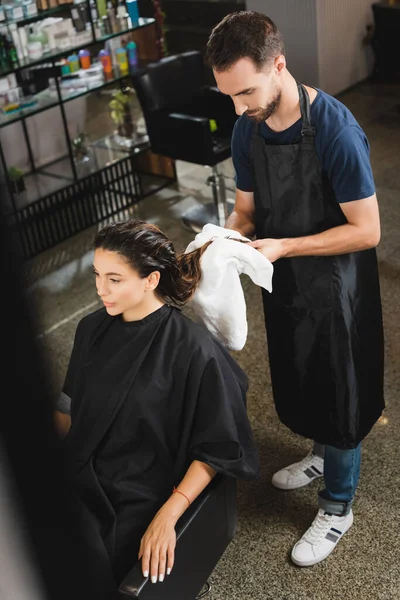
x=341, y=144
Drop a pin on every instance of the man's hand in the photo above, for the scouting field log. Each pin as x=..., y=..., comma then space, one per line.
x=271, y=248
x=361, y=232
x=157, y=547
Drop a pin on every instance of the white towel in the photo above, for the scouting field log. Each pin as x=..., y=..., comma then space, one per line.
x=219, y=301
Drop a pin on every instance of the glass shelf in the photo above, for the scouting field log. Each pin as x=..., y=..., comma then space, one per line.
x=42, y=14
x=84, y=90
x=58, y=175
x=109, y=142
x=52, y=56
x=22, y=113
x=143, y=22
x=115, y=77
x=101, y=153
x=39, y=185
x=50, y=101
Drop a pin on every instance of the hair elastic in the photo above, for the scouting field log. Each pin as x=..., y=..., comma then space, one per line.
x=179, y=492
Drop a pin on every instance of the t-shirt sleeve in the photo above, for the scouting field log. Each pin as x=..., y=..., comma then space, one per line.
x=240, y=149
x=63, y=404
x=347, y=162
x=222, y=435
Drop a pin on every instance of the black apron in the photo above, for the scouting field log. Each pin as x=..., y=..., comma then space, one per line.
x=324, y=315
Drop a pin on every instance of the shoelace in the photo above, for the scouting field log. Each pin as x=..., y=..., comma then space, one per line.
x=319, y=528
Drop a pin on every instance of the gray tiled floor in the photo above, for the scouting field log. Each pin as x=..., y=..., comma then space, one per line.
x=256, y=566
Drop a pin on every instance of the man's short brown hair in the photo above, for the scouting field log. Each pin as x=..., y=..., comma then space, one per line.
x=244, y=34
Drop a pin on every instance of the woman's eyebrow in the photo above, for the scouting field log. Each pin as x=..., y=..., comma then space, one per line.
x=111, y=273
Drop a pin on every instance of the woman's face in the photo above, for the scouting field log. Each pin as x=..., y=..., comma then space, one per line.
x=119, y=286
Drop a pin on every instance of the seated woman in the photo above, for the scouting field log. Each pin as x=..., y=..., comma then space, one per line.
x=152, y=404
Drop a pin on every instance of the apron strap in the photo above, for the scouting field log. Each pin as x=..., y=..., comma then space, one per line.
x=306, y=129
x=255, y=133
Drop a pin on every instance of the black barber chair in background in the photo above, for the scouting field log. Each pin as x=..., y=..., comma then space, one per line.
x=203, y=533
x=178, y=108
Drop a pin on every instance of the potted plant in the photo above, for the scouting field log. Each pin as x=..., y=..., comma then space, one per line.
x=121, y=114
x=80, y=148
x=16, y=180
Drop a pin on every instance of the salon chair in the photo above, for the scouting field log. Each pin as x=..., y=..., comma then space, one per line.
x=203, y=533
x=189, y=121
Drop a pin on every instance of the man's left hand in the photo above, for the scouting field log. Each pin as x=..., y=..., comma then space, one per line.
x=271, y=248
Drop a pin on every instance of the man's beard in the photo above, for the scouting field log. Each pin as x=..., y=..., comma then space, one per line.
x=262, y=114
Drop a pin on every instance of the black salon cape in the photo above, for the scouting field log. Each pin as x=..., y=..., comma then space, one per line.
x=149, y=397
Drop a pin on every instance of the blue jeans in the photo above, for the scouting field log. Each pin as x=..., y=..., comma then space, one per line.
x=341, y=475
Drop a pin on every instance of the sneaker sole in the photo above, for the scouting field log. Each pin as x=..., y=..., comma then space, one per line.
x=310, y=563
x=294, y=487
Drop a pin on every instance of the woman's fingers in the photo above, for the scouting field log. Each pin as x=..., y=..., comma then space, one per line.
x=170, y=557
x=162, y=563
x=154, y=562
x=146, y=554
x=140, y=549
x=157, y=561
x=157, y=555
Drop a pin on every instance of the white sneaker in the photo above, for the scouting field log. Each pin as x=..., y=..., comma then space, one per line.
x=321, y=538
x=300, y=473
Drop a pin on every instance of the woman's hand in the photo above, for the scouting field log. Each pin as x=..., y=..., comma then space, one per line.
x=157, y=547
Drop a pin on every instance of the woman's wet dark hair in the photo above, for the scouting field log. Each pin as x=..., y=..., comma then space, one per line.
x=244, y=34
x=146, y=249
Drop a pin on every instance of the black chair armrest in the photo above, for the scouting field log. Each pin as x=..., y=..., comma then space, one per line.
x=219, y=107
x=183, y=137
x=203, y=533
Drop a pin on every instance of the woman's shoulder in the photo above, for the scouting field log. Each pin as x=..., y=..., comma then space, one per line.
x=93, y=320
x=197, y=347
x=195, y=336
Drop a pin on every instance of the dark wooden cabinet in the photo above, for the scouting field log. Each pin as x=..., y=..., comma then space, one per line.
x=386, y=40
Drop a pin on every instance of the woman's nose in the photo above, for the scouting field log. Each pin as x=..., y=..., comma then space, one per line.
x=101, y=290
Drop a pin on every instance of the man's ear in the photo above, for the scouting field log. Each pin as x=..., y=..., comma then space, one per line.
x=280, y=64
x=152, y=280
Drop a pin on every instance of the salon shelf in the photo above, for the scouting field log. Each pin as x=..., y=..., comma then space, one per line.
x=23, y=113
x=44, y=103
x=43, y=14
x=110, y=144
x=102, y=153
x=57, y=175
x=54, y=56
x=64, y=197
x=143, y=22
x=94, y=88
x=39, y=185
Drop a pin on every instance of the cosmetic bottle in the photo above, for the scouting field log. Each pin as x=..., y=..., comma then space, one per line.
x=133, y=11
x=84, y=59
x=122, y=60
x=112, y=17
x=101, y=8
x=131, y=49
x=16, y=39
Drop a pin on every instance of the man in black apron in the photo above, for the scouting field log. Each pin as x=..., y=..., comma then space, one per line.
x=305, y=189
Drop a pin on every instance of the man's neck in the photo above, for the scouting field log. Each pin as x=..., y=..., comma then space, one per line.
x=288, y=111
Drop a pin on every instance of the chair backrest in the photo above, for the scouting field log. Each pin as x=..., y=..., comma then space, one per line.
x=171, y=82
